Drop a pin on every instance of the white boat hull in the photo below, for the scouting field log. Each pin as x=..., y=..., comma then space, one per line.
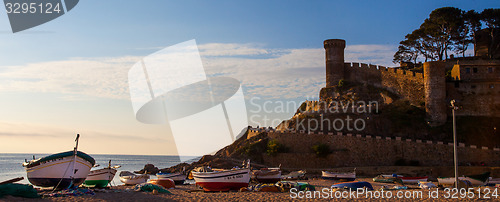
x=178, y=178
x=338, y=176
x=223, y=180
x=451, y=181
x=494, y=181
x=102, y=174
x=294, y=175
x=387, y=176
x=58, y=172
x=133, y=180
x=271, y=176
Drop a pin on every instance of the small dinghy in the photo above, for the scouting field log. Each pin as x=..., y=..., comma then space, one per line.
x=61, y=170
x=339, y=176
x=267, y=175
x=493, y=181
x=295, y=175
x=165, y=182
x=353, y=185
x=413, y=180
x=129, y=178
x=178, y=177
x=388, y=179
x=392, y=175
x=102, y=177
x=475, y=180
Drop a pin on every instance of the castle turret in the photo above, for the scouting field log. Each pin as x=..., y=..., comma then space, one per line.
x=435, y=92
x=334, y=49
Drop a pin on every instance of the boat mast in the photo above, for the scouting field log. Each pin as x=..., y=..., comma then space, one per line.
x=75, y=151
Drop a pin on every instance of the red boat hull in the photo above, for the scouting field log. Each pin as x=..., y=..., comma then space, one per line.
x=221, y=186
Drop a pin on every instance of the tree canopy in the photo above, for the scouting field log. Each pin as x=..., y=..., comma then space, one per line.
x=447, y=30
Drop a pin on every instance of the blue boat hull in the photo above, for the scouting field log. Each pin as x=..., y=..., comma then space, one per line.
x=353, y=185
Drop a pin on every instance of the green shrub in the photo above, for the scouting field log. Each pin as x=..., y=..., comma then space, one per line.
x=341, y=83
x=274, y=147
x=321, y=150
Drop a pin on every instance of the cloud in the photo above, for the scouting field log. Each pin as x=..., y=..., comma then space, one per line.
x=46, y=131
x=372, y=54
x=30, y=130
x=289, y=73
x=16, y=134
x=99, y=77
x=264, y=72
x=230, y=49
x=40, y=138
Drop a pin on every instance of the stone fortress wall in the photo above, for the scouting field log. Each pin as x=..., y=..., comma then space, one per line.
x=476, y=85
x=408, y=84
x=365, y=150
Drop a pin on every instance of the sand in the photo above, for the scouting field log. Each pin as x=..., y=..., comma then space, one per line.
x=183, y=193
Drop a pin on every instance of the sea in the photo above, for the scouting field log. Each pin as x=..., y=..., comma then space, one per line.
x=11, y=164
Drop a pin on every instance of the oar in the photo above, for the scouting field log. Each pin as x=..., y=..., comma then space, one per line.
x=12, y=180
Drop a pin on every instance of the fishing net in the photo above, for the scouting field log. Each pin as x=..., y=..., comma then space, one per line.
x=18, y=190
x=71, y=192
x=146, y=187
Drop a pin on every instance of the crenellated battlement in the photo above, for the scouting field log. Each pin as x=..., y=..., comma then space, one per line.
x=407, y=84
x=354, y=66
x=362, y=146
x=334, y=43
x=475, y=83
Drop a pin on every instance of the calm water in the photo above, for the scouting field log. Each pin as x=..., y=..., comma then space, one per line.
x=11, y=164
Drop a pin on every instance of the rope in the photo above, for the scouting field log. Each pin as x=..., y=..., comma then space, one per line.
x=75, y=153
x=62, y=178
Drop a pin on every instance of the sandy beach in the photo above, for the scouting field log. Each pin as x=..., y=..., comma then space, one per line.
x=186, y=193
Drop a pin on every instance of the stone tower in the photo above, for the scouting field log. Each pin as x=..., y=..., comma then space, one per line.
x=435, y=92
x=334, y=50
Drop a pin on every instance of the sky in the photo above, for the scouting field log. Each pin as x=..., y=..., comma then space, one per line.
x=69, y=75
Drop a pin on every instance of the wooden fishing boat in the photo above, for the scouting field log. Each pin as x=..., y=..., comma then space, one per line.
x=339, y=176
x=224, y=180
x=164, y=182
x=129, y=178
x=387, y=179
x=61, y=170
x=295, y=175
x=178, y=178
x=267, y=175
x=475, y=180
x=413, y=180
x=493, y=181
x=101, y=177
x=392, y=175
x=354, y=185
